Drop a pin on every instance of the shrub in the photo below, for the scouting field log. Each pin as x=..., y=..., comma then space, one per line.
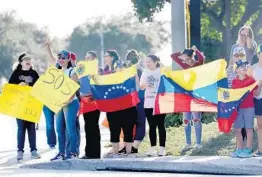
x=176, y=119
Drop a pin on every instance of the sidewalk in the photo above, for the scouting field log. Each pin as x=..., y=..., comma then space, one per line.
x=185, y=164
x=200, y=165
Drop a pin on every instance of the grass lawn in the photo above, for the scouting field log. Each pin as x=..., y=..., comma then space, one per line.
x=214, y=143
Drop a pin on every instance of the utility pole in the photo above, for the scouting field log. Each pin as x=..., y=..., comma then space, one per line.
x=178, y=28
x=195, y=24
x=101, y=43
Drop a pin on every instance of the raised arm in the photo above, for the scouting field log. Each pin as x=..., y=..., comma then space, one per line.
x=52, y=58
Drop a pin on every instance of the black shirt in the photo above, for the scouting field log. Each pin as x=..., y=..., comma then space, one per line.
x=29, y=77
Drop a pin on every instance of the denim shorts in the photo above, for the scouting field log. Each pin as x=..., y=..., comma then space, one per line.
x=245, y=118
x=258, y=107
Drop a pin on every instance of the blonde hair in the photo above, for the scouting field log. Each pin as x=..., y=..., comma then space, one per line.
x=250, y=33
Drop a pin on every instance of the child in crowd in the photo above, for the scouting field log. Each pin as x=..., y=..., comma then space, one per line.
x=23, y=75
x=246, y=113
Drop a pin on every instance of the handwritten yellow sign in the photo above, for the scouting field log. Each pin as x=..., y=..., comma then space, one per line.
x=54, y=89
x=16, y=101
x=84, y=68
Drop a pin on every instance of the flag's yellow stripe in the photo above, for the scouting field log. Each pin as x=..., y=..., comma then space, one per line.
x=198, y=77
x=115, y=78
x=230, y=95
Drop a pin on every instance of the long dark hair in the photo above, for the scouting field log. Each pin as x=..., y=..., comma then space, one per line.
x=155, y=59
x=69, y=65
x=114, y=54
x=132, y=56
x=17, y=65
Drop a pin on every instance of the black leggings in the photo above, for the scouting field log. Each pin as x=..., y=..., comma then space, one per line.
x=93, y=137
x=155, y=121
x=124, y=119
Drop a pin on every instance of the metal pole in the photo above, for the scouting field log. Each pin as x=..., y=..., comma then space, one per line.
x=178, y=28
x=101, y=44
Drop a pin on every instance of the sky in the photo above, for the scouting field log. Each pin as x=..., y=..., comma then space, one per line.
x=61, y=16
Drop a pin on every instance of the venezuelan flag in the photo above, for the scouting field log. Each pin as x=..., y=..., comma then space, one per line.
x=229, y=101
x=115, y=91
x=194, y=89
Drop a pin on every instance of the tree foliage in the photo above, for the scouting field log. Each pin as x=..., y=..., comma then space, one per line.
x=18, y=37
x=217, y=34
x=119, y=33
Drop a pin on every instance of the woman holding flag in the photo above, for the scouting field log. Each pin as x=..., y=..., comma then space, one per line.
x=132, y=58
x=187, y=59
x=149, y=82
x=125, y=118
x=66, y=118
x=91, y=115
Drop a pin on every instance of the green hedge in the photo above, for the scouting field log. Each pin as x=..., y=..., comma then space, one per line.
x=176, y=120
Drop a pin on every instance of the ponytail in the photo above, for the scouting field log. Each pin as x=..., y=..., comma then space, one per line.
x=155, y=59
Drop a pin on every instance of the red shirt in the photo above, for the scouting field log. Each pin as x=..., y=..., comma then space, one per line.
x=200, y=56
x=248, y=102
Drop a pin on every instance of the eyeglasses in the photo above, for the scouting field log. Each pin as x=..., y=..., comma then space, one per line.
x=239, y=55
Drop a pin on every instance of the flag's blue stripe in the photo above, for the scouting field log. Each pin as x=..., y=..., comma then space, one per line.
x=208, y=93
x=226, y=109
x=101, y=92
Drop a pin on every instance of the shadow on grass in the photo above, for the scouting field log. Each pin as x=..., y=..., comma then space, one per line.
x=222, y=142
x=212, y=146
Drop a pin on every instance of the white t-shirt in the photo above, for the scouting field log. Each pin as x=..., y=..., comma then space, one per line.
x=257, y=74
x=151, y=79
x=69, y=72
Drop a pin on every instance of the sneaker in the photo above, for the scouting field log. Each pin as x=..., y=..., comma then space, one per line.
x=258, y=154
x=52, y=146
x=152, y=151
x=71, y=156
x=198, y=146
x=134, y=150
x=246, y=153
x=35, y=155
x=84, y=157
x=20, y=155
x=122, y=151
x=162, y=151
x=59, y=156
x=187, y=147
x=236, y=153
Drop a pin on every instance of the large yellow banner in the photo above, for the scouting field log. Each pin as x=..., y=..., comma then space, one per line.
x=54, y=89
x=84, y=68
x=16, y=101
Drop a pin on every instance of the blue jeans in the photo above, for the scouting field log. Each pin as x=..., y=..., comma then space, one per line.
x=22, y=127
x=50, y=126
x=66, y=124
x=196, y=117
x=141, y=119
x=68, y=145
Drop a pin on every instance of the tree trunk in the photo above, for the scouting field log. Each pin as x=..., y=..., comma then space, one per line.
x=178, y=28
x=227, y=35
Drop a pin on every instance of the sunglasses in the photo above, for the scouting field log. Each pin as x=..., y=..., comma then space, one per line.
x=62, y=58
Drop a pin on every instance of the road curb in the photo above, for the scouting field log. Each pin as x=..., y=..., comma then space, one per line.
x=165, y=164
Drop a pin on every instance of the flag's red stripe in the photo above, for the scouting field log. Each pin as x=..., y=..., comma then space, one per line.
x=124, y=102
x=225, y=124
x=87, y=105
x=181, y=103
